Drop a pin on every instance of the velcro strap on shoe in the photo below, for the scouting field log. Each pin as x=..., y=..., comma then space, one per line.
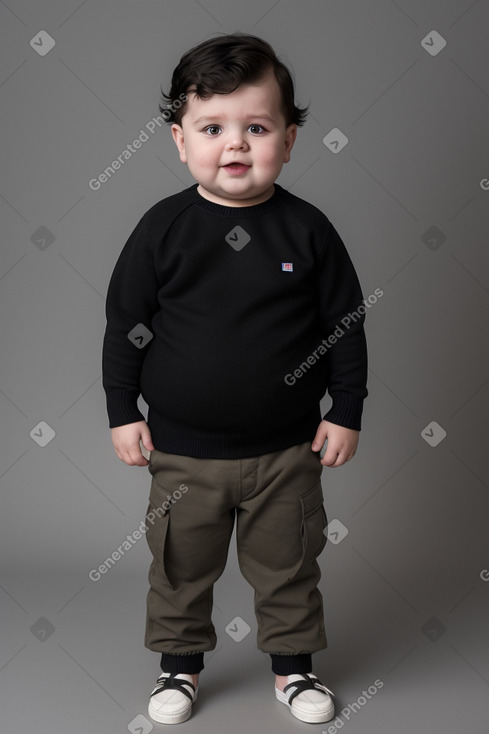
x=305, y=685
x=177, y=684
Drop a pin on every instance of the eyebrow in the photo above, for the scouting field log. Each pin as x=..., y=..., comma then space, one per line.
x=217, y=117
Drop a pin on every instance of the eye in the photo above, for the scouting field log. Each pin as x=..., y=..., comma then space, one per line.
x=254, y=130
x=211, y=130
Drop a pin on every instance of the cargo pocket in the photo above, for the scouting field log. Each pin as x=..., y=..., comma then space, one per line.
x=314, y=521
x=157, y=523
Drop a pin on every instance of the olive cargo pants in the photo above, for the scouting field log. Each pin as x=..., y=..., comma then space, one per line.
x=277, y=500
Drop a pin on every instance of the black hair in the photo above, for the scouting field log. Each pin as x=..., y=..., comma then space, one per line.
x=219, y=66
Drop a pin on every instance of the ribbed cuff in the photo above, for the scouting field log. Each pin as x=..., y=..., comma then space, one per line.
x=189, y=663
x=346, y=410
x=122, y=408
x=290, y=664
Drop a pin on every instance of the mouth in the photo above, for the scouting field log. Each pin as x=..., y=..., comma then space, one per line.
x=236, y=168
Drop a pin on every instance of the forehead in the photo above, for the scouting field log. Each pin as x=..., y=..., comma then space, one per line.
x=248, y=99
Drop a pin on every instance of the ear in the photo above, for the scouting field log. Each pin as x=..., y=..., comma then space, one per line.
x=177, y=134
x=290, y=136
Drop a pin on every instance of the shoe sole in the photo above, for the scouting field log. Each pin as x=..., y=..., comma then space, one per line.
x=176, y=718
x=309, y=717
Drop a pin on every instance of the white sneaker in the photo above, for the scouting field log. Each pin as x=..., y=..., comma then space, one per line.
x=172, y=698
x=307, y=698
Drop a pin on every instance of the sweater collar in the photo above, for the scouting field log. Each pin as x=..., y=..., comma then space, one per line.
x=236, y=211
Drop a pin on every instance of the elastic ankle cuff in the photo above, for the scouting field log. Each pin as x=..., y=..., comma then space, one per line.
x=289, y=664
x=189, y=663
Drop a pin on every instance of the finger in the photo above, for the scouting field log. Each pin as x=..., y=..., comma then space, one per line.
x=130, y=456
x=126, y=458
x=330, y=457
x=341, y=459
x=319, y=438
x=137, y=458
x=147, y=441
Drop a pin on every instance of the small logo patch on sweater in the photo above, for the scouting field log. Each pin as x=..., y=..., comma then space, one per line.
x=288, y=267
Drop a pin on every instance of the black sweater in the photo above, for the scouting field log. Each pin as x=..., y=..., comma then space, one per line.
x=224, y=320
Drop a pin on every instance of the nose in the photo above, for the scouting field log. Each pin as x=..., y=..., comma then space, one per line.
x=236, y=141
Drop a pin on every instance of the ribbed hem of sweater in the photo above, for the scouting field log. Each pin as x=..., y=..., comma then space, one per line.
x=172, y=438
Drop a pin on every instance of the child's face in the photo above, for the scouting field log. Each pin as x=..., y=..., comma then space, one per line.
x=245, y=126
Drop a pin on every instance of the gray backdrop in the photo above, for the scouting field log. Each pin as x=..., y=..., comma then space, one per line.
x=405, y=572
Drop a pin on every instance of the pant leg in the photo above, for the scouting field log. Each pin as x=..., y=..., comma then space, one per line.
x=280, y=534
x=190, y=519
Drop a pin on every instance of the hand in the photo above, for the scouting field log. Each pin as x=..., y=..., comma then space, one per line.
x=342, y=443
x=126, y=442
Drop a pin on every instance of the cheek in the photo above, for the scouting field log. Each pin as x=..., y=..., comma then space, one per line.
x=270, y=155
x=204, y=155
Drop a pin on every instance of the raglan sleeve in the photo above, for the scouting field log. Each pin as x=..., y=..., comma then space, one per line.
x=131, y=302
x=342, y=313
